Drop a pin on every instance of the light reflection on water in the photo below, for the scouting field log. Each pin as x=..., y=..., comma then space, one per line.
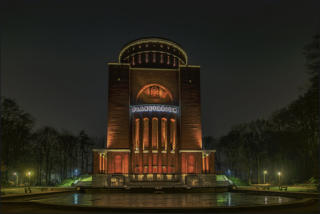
x=75, y=198
x=229, y=199
x=226, y=199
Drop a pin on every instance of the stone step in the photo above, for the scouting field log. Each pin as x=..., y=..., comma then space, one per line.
x=154, y=184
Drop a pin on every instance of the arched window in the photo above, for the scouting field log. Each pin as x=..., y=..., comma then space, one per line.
x=154, y=93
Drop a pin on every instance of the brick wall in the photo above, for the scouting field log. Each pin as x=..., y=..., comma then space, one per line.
x=190, y=109
x=118, y=107
x=95, y=162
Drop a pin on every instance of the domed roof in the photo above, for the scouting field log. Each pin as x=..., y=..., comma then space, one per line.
x=151, y=51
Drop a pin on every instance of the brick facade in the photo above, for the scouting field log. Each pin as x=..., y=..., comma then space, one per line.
x=162, y=135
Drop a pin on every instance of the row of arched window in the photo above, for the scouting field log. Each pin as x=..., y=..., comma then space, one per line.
x=154, y=58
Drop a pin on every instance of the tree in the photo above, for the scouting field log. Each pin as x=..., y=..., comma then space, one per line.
x=46, y=141
x=289, y=139
x=16, y=128
x=85, y=144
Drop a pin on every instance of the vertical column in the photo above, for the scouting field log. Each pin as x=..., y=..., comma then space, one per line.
x=203, y=163
x=154, y=163
x=164, y=134
x=150, y=168
x=145, y=163
x=207, y=163
x=145, y=133
x=173, y=134
x=164, y=162
x=100, y=162
x=153, y=57
x=137, y=136
x=141, y=167
x=159, y=170
x=155, y=143
x=155, y=134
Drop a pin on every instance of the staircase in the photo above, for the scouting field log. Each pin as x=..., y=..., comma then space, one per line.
x=155, y=184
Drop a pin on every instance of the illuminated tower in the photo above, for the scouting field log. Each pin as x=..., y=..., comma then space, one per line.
x=154, y=125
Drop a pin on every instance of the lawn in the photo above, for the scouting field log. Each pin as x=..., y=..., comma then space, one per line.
x=69, y=181
x=291, y=188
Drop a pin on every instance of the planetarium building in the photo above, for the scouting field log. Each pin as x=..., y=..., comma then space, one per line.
x=154, y=121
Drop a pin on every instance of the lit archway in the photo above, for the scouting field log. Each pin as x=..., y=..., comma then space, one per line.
x=154, y=93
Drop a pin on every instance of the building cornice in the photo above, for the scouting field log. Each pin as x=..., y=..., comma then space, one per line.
x=155, y=40
x=111, y=150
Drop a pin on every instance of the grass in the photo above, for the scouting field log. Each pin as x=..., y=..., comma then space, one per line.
x=221, y=178
x=297, y=188
x=238, y=181
x=293, y=188
x=69, y=181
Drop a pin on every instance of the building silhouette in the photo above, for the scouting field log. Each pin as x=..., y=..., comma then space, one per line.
x=154, y=120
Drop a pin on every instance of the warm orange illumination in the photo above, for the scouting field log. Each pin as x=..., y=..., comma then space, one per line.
x=100, y=164
x=145, y=133
x=173, y=134
x=154, y=163
x=145, y=163
x=203, y=163
x=164, y=134
x=155, y=135
x=137, y=137
x=105, y=167
x=155, y=93
x=191, y=164
x=207, y=163
x=133, y=63
x=118, y=164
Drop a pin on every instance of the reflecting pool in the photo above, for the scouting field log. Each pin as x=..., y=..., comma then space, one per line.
x=152, y=200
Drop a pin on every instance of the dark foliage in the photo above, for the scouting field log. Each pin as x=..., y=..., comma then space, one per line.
x=288, y=141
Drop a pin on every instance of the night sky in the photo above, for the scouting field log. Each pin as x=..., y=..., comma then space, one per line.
x=53, y=57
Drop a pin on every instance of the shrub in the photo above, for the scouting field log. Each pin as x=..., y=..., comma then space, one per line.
x=313, y=180
x=238, y=181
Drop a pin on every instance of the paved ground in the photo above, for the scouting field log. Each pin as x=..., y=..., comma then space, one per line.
x=5, y=208
x=34, y=189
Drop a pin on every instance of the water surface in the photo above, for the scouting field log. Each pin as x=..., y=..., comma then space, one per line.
x=153, y=200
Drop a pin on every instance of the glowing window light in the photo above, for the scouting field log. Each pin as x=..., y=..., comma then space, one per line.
x=154, y=108
x=133, y=63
